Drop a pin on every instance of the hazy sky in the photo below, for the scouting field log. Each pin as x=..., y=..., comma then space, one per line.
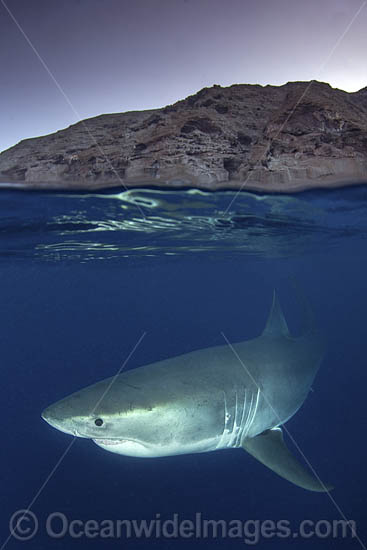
x=120, y=55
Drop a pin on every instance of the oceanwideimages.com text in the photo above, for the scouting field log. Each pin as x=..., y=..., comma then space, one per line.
x=24, y=525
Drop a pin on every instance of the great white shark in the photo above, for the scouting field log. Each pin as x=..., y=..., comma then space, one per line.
x=230, y=396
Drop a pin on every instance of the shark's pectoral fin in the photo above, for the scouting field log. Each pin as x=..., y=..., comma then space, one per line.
x=270, y=449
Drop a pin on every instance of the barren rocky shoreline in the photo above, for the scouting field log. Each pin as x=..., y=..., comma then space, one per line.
x=272, y=138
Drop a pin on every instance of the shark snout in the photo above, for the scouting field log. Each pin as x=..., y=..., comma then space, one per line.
x=47, y=415
x=51, y=416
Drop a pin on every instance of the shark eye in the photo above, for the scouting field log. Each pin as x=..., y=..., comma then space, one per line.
x=98, y=422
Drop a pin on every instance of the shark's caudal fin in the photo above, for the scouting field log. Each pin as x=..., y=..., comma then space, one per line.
x=270, y=449
x=276, y=324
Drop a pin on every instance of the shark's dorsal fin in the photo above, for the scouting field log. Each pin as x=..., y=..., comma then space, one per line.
x=270, y=449
x=276, y=324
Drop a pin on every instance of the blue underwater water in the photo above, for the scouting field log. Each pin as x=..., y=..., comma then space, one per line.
x=85, y=277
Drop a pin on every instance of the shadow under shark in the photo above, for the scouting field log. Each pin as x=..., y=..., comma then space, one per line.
x=216, y=398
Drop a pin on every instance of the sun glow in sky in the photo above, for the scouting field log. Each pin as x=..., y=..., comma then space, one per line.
x=119, y=55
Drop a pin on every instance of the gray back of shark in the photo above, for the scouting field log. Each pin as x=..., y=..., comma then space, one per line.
x=216, y=398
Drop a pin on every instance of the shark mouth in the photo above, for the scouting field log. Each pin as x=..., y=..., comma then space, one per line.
x=127, y=447
x=110, y=441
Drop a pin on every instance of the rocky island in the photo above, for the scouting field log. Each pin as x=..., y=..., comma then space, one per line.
x=269, y=138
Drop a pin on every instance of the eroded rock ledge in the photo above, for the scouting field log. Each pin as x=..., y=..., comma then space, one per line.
x=246, y=136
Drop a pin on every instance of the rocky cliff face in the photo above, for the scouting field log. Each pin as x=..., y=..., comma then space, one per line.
x=246, y=136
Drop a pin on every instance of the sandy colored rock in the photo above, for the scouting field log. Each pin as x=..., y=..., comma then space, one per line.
x=300, y=135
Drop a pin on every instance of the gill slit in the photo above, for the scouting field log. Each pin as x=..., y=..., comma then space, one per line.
x=245, y=428
x=254, y=411
x=235, y=425
x=220, y=442
x=233, y=439
x=237, y=437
